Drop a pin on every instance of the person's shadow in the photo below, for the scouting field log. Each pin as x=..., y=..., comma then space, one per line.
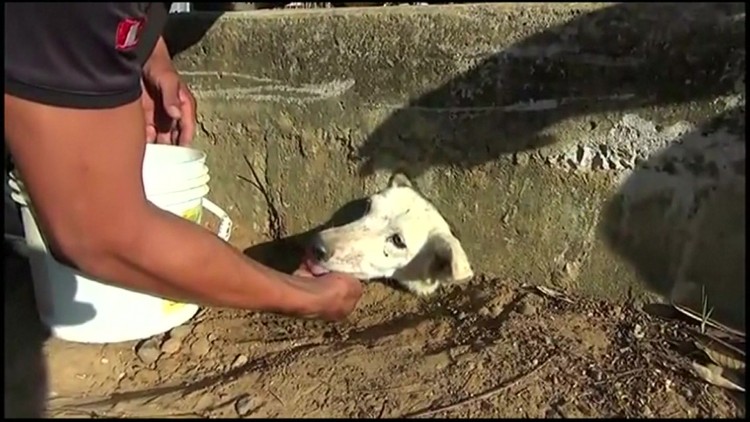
x=25, y=368
x=622, y=57
x=184, y=30
x=679, y=219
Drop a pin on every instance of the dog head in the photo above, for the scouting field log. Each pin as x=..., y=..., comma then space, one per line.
x=402, y=236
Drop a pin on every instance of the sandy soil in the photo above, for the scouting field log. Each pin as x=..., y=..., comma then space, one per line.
x=487, y=349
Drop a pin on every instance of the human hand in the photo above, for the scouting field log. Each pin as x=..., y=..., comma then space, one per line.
x=169, y=107
x=336, y=295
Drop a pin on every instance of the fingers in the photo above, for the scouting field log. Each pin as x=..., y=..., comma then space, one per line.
x=150, y=133
x=172, y=118
x=186, y=123
x=168, y=86
x=179, y=106
x=303, y=272
x=148, y=111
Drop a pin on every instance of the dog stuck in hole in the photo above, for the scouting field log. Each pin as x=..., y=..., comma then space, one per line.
x=401, y=237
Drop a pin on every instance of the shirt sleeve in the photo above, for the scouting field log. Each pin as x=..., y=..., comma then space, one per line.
x=79, y=55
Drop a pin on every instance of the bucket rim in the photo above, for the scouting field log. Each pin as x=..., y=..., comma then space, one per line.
x=187, y=150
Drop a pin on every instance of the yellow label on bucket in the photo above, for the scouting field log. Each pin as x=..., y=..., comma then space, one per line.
x=193, y=214
x=169, y=307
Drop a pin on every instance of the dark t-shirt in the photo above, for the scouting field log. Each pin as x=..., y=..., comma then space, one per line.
x=79, y=55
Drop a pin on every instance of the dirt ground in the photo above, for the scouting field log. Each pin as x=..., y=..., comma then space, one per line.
x=487, y=349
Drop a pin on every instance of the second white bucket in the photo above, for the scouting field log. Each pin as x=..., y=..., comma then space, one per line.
x=79, y=308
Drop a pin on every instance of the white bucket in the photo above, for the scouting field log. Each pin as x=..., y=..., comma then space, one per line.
x=78, y=308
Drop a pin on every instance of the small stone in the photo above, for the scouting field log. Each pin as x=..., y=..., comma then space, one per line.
x=459, y=351
x=171, y=346
x=595, y=374
x=239, y=361
x=148, y=352
x=551, y=413
x=462, y=316
x=527, y=308
x=200, y=347
x=180, y=332
x=146, y=377
x=148, y=356
x=646, y=411
x=497, y=310
x=617, y=312
x=520, y=158
x=204, y=402
x=243, y=406
x=638, y=331
x=479, y=344
x=485, y=312
x=212, y=337
x=438, y=361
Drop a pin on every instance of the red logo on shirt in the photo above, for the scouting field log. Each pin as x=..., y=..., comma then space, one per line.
x=128, y=33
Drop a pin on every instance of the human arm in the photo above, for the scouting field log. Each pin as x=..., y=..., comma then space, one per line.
x=82, y=170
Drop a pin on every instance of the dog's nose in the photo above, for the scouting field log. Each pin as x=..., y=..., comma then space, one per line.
x=319, y=251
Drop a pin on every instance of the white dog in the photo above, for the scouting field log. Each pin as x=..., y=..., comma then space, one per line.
x=402, y=237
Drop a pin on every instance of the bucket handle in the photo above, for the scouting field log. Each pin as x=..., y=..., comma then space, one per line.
x=225, y=226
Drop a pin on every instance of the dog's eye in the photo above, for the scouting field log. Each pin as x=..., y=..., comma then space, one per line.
x=397, y=241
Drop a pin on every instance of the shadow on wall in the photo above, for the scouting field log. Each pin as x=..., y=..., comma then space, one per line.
x=190, y=34
x=618, y=58
x=679, y=218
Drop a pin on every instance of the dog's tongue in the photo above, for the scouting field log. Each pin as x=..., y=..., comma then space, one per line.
x=312, y=265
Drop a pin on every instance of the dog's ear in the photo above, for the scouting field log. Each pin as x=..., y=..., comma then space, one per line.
x=400, y=180
x=446, y=259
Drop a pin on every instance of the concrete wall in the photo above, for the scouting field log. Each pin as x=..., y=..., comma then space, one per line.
x=598, y=147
